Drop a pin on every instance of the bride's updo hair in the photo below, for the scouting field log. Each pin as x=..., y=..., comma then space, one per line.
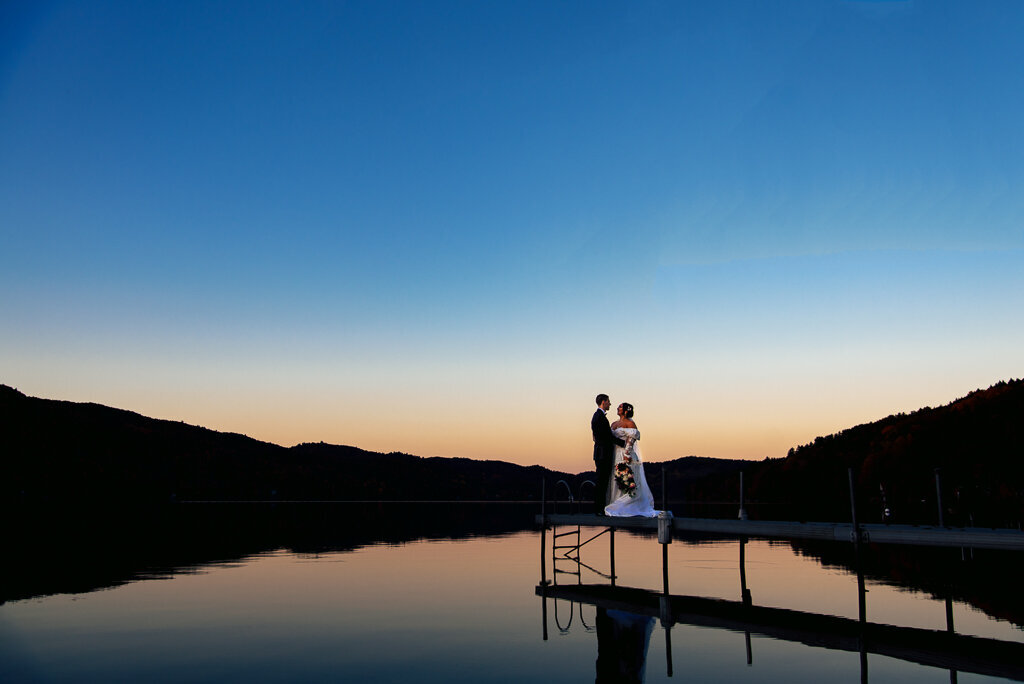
x=627, y=410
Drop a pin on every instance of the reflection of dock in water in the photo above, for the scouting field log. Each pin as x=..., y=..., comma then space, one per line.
x=933, y=648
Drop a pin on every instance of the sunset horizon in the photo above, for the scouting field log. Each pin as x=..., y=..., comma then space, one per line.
x=443, y=228
x=579, y=449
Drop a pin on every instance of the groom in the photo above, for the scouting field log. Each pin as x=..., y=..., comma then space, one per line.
x=604, y=451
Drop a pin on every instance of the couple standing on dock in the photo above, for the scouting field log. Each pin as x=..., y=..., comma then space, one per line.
x=622, y=489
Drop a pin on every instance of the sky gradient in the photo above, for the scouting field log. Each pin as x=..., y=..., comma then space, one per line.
x=443, y=227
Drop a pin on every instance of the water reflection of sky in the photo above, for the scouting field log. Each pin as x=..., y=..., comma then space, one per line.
x=441, y=611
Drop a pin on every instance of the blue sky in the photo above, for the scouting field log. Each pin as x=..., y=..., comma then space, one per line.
x=433, y=226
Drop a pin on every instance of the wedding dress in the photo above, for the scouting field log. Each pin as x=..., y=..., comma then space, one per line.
x=621, y=502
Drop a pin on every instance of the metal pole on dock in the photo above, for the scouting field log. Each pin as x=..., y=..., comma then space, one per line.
x=853, y=507
x=938, y=495
x=543, y=536
x=743, y=509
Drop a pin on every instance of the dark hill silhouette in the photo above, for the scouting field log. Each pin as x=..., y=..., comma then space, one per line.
x=65, y=451
x=61, y=451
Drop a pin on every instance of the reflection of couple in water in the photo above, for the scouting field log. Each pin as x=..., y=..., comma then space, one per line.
x=622, y=640
x=621, y=488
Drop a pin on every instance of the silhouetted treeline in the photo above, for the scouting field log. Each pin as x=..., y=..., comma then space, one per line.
x=66, y=452
x=975, y=442
x=61, y=451
x=58, y=451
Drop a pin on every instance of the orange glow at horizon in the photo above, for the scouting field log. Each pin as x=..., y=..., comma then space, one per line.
x=521, y=411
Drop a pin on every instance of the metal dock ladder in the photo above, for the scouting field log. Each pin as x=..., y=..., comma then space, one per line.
x=565, y=546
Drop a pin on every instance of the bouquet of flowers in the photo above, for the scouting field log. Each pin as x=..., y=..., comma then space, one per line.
x=624, y=478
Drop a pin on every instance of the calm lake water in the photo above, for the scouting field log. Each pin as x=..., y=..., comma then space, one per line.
x=447, y=593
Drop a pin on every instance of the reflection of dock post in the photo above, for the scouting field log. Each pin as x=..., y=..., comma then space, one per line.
x=745, y=595
x=950, y=630
x=744, y=592
x=611, y=552
x=862, y=610
x=544, y=614
x=665, y=610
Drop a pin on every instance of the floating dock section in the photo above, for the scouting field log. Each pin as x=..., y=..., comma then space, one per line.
x=910, y=535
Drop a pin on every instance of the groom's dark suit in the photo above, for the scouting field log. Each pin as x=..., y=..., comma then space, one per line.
x=604, y=456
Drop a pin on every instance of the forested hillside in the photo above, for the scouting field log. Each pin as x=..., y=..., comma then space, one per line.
x=975, y=442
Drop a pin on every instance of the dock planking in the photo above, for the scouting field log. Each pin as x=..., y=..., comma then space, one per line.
x=909, y=535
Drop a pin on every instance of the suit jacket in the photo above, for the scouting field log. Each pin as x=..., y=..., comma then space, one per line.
x=604, y=439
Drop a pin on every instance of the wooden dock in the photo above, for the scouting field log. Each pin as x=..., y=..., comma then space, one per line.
x=911, y=535
x=927, y=647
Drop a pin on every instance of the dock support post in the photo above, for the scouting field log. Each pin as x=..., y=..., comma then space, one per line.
x=664, y=538
x=664, y=567
x=938, y=496
x=861, y=599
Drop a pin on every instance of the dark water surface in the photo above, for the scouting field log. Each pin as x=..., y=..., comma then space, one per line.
x=448, y=593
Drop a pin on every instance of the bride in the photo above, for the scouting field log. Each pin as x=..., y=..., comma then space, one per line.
x=628, y=492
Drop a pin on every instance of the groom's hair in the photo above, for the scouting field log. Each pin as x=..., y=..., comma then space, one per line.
x=601, y=398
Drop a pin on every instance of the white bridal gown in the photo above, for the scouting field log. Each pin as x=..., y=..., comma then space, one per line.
x=621, y=504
